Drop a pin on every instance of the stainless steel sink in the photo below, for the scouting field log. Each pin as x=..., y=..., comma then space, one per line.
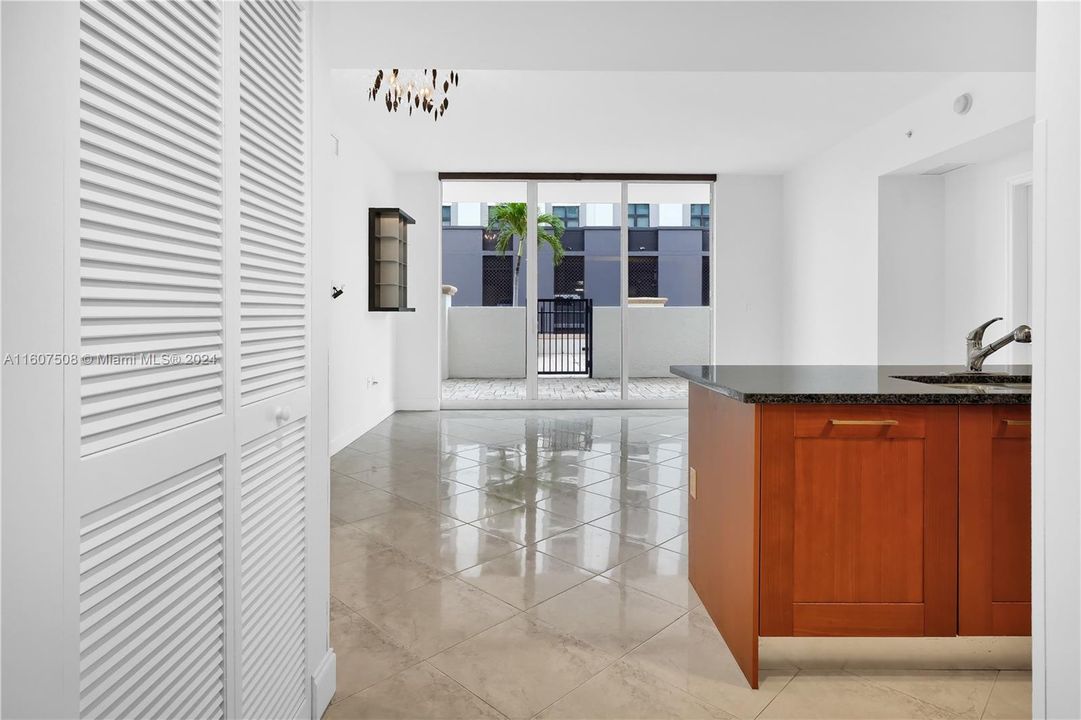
x=993, y=387
x=974, y=382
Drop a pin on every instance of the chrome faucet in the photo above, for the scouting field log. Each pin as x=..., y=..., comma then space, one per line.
x=977, y=352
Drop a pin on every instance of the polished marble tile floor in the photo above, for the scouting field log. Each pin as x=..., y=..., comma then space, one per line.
x=533, y=564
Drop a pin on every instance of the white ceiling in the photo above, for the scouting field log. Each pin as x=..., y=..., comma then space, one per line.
x=808, y=35
x=647, y=86
x=566, y=121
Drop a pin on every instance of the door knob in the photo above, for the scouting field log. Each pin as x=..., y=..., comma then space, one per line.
x=282, y=414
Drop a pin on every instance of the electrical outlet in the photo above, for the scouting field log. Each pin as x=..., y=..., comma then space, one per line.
x=693, y=482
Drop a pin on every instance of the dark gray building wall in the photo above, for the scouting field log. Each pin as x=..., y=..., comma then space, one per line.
x=679, y=265
x=462, y=263
x=602, y=266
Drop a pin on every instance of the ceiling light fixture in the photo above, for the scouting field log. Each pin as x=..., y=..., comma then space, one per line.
x=424, y=90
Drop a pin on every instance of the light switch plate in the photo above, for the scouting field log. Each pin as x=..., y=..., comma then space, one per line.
x=693, y=483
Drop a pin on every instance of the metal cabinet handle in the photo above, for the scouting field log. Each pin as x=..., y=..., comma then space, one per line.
x=1008, y=421
x=835, y=421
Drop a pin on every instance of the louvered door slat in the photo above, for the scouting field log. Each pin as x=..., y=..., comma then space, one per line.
x=273, y=578
x=156, y=37
x=283, y=28
x=115, y=74
x=99, y=143
x=258, y=160
x=267, y=120
x=273, y=202
x=98, y=162
x=152, y=597
x=285, y=59
x=151, y=218
x=269, y=80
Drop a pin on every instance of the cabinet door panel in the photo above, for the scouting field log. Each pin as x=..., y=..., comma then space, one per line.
x=859, y=619
x=994, y=539
x=858, y=521
x=859, y=513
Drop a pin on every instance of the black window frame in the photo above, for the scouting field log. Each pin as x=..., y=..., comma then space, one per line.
x=700, y=212
x=635, y=213
x=560, y=212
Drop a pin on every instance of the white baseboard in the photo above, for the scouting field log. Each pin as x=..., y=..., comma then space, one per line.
x=324, y=683
x=344, y=438
x=423, y=404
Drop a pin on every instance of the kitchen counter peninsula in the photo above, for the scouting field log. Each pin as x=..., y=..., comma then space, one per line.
x=859, y=501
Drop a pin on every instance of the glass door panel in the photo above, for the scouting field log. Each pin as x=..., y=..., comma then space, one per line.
x=484, y=314
x=667, y=318
x=579, y=319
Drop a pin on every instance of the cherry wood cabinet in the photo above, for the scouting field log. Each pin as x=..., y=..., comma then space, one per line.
x=723, y=519
x=859, y=520
x=994, y=533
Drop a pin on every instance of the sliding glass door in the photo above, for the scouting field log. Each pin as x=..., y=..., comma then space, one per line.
x=573, y=293
x=579, y=324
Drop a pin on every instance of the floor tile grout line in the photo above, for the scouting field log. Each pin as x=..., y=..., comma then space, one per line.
x=443, y=574
x=499, y=712
x=517, y=612
x=987, y=701
x=384, y=636
x=778, y=694
x=654, y=676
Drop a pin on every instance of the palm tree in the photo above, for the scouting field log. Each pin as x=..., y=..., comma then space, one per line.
x=510, y=219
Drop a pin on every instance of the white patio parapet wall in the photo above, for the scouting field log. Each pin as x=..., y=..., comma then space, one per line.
x=489, y=342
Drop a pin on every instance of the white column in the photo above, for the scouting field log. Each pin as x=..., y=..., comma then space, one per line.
x=531, y=291
x=624, y=289
x=713, y=284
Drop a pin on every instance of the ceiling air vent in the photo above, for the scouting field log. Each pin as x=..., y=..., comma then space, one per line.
x=944, y=168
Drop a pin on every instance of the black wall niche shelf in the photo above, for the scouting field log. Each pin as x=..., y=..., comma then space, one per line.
x=387, y=260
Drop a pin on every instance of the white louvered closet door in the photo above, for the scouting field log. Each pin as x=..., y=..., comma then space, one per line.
x=148, y=460
x=272, y=394
x=186, y=470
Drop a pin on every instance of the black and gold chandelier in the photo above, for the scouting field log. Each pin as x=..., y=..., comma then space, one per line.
x=421, y=90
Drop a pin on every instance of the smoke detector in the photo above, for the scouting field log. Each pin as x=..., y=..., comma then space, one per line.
x=962, y=104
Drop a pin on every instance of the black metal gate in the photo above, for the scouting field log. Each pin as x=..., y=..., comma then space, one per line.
x=565, y=336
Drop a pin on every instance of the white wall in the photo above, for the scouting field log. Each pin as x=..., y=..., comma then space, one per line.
x=417, y=335
x=830, y=308
x=661, y=336
x=361, y=343
x=39, y=69
x=745, y=271
x=1056, y=421
x=942, y=262
x=658, y=337
x=975, y=258
x=486, y=342
x=911, y=225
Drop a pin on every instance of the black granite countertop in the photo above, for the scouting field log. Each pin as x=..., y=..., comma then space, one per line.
x=862, y=384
